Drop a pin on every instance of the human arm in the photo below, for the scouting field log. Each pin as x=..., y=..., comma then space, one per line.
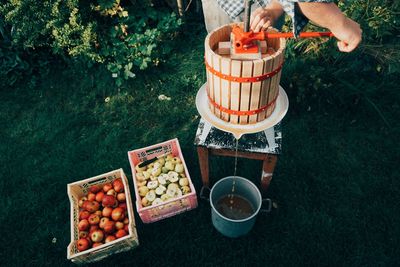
x=328, y=15
x=265, y=17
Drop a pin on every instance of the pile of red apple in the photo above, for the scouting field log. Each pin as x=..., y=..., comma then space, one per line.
x=103, y=215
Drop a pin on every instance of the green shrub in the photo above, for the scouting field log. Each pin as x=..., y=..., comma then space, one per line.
x=124, y=36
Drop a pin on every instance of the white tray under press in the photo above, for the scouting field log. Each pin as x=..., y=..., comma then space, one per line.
x=281, y=108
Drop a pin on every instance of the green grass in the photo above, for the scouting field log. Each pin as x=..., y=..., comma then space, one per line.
x=336, y=181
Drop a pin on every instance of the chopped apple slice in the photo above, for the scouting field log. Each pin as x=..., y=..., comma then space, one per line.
x=152, y=184
x=151, y=195
x=173, y=176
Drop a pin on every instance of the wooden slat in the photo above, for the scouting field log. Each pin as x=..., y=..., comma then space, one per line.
x=265, y=87
x=270, y=87
x=217, y=83
x=224, y=48
x=256, y=89
x=225, y=87
x=236, y=70
x=274, y=85
x=282, y=46
x=210, y=79
x=247, y=71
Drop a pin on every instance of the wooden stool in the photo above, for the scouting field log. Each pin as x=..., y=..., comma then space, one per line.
x=265, y=146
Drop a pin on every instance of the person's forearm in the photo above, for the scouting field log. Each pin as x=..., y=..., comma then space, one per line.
x=326, y=15
x=276, y=8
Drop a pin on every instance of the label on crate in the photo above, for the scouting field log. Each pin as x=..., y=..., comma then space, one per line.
x=154, y=152
x=172, y=207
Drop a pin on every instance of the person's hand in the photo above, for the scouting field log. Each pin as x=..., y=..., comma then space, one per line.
x=348, y=33
x=262, y=18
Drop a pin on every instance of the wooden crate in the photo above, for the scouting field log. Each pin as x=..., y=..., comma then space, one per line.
x=170, y=207
x=231, y=97
x=79, y=189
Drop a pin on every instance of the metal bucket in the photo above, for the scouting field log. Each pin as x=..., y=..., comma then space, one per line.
x=244, y=188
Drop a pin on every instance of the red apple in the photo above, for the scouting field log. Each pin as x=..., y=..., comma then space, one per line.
x=98, y=212
x=107, y=187
x=97, y=236
x=118, y=214
x=110, y=238
x=121, y=197
x=112, y=192
x=103, y=221
x=83, y=225
x=120, y=233
x=83, y=234
x=107, y=211
x=99, y=196
x=93, y=228
x=119, y=225
x=118, y=185
x=82, y=244
x=91, y=206
x=126, y=220
x=95, y=188
x=89, y=240
x=94, y=219
x=126, y=228
x=122, y=205
x=109, y=227
x=96, y=244
x=84, y=214
x=108, y=201
x=91, y=196
x=81, y=201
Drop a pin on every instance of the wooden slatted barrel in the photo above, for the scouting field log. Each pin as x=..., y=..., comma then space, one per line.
x=242, y=91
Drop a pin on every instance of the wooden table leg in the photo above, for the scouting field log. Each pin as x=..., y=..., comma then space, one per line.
x=269, y=164
x=202, y=153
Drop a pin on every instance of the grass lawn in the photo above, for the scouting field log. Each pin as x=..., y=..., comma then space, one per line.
x=337, y=180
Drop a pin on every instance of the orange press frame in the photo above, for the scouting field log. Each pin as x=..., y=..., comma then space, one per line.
x=245, y=42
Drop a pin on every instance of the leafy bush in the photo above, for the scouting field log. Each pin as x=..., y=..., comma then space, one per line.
x=125, y=36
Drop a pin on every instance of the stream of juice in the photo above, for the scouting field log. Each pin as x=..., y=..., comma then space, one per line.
x=234, y=175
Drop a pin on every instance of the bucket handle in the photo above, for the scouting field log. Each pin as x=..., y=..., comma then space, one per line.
x=269, y=203
x=205, y=193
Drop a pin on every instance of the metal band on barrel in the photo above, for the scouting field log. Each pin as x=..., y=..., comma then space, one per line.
x=243, y=79
x=241, y=112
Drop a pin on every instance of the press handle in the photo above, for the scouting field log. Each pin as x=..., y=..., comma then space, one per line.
x=270, y=35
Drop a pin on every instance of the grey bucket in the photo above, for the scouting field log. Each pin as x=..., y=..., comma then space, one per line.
x=244, y=188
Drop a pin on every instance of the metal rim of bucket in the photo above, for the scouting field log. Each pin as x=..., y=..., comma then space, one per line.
x=239, y=178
